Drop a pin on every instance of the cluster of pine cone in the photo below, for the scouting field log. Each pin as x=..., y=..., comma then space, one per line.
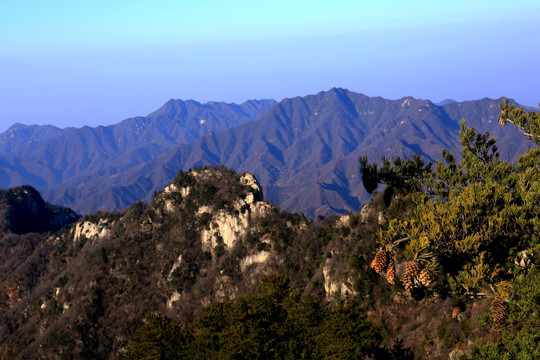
x=414, y=274
x=499, y=309
x=382, y=262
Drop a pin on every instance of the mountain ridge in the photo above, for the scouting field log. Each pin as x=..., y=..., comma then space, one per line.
x=57, y=155
x=304, y=149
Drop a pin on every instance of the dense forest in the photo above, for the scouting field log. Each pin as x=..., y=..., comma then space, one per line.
x=441, y=263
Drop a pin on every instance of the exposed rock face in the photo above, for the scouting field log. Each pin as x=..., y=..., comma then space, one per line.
x=343, y=220
x=175, y=266
x=171, y=188
x=255, y=259
x=333, y=287
x=229, y=227
x=174, y=298
x=90, y=230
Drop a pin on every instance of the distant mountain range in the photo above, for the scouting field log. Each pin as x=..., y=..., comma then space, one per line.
x=46, y=156
x=303, y=150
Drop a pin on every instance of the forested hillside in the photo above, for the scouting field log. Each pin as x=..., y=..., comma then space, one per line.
x=442, y=261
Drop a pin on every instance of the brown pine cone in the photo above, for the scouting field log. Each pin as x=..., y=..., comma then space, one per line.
x=455, y=312
x=391, y=272
x=425, y=277
x=500, y=310
x=408, y=282
x=412, y=268
x=379, y=262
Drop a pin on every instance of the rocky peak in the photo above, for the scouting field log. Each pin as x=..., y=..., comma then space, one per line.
x=224, y=202
x=22, y=210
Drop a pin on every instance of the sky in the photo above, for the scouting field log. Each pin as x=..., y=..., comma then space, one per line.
x=76, y=63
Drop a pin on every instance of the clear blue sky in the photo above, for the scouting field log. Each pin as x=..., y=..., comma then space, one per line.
x=75, y=63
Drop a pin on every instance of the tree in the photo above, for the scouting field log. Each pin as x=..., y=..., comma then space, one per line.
x=470, y=218
x=400, y=174
x=346, y=334
x=160, y=338
x=528, y=122
x=275, y=324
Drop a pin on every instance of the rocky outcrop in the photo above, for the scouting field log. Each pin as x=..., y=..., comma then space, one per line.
x=335, y=288
x=22, y=210
x=226, y=227
x=90, y=230
x=229, y=225
x=254, y=260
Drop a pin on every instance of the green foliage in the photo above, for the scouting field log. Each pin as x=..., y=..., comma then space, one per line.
x=527, y=122
x=204, y=220
x=472, y=216
x=519, y=341
x=404, y=175
x=214, y=186
x=370, y=175
x=346, y=335
x=276, y=324
x=264, y=246
x=103, y=257
x=160, y=338
x=62, y=281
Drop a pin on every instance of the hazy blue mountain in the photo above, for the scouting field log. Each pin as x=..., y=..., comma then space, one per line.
x=304, y=150
x=445, y=102
x=22, y=139
x=45, y=156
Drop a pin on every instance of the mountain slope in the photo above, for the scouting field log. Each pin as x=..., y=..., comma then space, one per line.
x=202, y=245
x=22, y=210
x=48, y=156
x=305, y=150
x=22, y=139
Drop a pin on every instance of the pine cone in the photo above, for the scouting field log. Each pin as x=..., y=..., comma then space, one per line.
x=413, y=268
x=455, y=312
x=502, y=119
x=408, y=282
x=391, y=272
x=500, y=310
x=425, y=277
x=379, y=262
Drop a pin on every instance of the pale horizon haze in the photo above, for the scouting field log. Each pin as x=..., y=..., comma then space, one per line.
x=76, y=63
